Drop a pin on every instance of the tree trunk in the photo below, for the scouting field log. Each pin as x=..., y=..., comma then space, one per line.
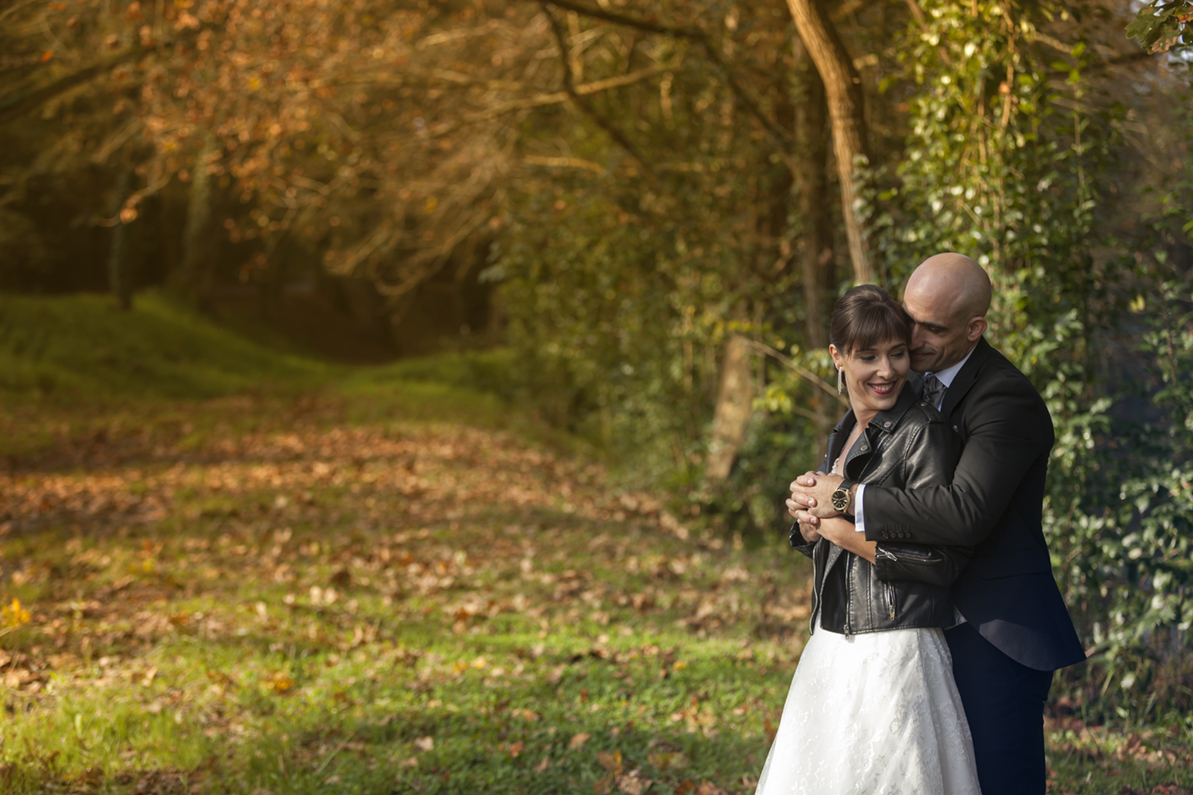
x=198, y=255
x=817, y=263
x=843, y=89
x=735, y=403
x=816, y=238
x=119, y=281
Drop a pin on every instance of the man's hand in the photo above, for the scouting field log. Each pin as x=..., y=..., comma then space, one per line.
x=811, y=496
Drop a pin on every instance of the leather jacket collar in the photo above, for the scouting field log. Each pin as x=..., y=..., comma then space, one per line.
x=884, y=422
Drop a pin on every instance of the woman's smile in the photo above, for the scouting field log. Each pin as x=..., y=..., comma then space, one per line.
x=874, y=376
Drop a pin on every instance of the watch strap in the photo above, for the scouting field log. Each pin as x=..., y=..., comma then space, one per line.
x=845, y=485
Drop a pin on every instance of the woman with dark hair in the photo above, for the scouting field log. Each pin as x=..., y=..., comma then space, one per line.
x=873, y=707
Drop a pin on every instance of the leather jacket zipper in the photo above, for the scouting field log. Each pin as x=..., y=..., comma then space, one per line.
x=890, y=599
x=848, y=591
x=909, y=554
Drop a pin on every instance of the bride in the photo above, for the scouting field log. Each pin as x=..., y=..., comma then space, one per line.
x=873, y=707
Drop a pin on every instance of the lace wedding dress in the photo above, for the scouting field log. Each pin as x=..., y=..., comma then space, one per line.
x=872, y=714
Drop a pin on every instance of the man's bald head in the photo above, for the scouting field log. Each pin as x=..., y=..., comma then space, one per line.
x=956, y=281
x=947, y=297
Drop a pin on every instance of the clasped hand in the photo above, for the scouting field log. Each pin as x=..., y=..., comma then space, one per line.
x=810, y=502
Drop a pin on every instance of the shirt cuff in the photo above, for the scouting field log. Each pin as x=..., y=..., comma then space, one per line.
x=859, y=523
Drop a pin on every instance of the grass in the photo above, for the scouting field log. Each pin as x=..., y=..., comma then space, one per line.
x=380, y=580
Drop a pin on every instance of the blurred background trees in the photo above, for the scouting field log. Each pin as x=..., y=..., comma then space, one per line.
x=653, y=205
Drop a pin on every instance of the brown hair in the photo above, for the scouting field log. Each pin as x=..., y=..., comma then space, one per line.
x=865, y=316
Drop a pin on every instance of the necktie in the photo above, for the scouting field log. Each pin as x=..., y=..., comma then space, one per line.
x=933, y=391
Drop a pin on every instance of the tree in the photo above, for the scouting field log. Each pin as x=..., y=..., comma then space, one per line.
x=846, y=108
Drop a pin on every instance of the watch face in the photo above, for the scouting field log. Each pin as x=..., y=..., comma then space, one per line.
x=840, y=499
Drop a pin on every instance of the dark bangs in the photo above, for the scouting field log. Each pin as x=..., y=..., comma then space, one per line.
x=867, y=316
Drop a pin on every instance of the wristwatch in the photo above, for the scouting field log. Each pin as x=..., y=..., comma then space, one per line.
x=841, y=497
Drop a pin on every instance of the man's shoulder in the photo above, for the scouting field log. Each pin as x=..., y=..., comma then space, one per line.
x=992, y=365
x=1001, y=386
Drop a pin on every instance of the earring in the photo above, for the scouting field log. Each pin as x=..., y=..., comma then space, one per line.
x=840, y=380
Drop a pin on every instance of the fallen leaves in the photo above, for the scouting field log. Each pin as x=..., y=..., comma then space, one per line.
x=322, y=540
x=281, y=683
x=13, y=616
x=618, y=778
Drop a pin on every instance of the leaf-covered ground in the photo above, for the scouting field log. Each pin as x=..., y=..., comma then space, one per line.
x=275, y=595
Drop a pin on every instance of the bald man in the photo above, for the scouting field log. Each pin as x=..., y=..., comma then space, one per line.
x=1014, y=630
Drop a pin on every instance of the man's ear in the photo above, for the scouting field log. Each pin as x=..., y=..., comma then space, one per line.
x=977, y=327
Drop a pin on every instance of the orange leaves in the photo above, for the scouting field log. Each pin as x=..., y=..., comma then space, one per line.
x=699, y=788
x=695, y=719
x=665, y=760
x=281, y=683
x=187, y=21
x=14, y=615
x=610, y=760
x=617, y=778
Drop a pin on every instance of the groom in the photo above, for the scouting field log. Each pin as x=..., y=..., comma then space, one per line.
x=1015, y=630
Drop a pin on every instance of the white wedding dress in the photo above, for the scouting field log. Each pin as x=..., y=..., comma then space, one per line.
x=872, y=714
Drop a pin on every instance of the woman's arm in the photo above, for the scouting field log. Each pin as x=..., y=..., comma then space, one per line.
x=844, y=534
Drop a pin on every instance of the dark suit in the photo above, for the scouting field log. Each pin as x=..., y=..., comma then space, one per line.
x=1018, y=629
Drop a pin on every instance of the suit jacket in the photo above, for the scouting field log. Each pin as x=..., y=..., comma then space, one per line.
x=995, y=505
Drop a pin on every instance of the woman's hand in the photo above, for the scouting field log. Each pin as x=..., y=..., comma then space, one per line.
x=811, y=534
x=844, y=534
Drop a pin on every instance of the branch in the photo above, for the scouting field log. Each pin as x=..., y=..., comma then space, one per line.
x=839, y=13
x=800, y=370
x=781, y=137
x=418, y=78
x=15, y=8
x=629, y=22
x=916, y=11
x=1101, y=63
x=569, y=86
x=564, y=162
x=556, y=97
x=12, y=107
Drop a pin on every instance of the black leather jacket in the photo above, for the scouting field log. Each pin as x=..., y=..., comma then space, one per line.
x=909, y=446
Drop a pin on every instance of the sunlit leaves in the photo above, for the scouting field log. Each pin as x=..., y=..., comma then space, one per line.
x=1162, y=25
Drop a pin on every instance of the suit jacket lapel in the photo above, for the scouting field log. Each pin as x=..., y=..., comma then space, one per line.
x=965, y=378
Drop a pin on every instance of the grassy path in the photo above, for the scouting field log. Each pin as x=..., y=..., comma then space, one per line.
x=262, y=596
